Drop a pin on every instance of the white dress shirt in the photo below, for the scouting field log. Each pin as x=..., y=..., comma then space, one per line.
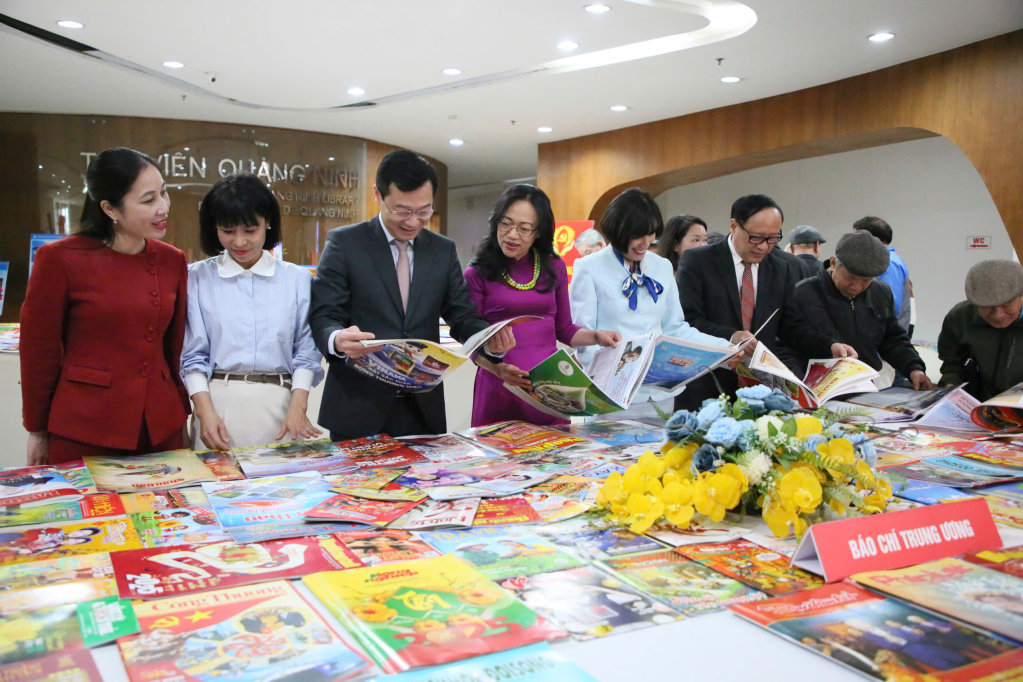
x=248, y=321
x=740, y=268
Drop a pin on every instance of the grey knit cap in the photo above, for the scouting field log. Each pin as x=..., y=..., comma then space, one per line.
x=862, y=254
x=994, y=282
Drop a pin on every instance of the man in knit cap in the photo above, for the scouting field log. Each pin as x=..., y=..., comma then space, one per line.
x=848, y=303
x=981, y=340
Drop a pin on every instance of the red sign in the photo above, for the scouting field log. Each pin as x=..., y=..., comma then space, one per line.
x=973, y=242
x=565, y=234
x=883, y=542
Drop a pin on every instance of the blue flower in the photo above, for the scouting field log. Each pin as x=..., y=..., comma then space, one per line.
x=833, y=432
x=724, y=432
x=779, y=401
x=709, y=414
x=749, y=438
x=867, y=453
x=753, y=392
x=704, y=458
x=757, y=407
x=682, y=424
x=813, y=440
x=856, y=437
x=710, y=401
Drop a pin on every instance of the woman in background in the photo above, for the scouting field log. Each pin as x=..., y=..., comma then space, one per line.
x=103, y=321
x=249, y=358
x=681, y=232
x=516, y=272
x=628, y=288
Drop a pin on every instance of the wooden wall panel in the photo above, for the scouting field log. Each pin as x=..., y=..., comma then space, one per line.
x=972, y=95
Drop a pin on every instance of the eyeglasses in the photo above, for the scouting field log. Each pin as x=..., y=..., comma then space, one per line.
x=757, y=239
x=422, y=214
x=505, y=226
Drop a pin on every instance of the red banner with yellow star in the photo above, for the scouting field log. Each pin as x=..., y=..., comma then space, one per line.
x=565, y=234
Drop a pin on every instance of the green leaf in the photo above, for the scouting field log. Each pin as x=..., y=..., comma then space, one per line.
x=772, y=430
x=789, y=428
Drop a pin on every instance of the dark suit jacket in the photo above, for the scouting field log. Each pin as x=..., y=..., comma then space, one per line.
x=356, y=284
x=710, y=300
x=811, y=266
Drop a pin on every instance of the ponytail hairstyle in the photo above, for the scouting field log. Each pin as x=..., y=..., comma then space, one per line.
x=110, y=177
x=491, y=263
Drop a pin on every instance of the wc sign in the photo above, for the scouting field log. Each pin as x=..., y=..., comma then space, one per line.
x=978, y=242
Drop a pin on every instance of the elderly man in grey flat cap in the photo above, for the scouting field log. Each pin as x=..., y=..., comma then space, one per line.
x=847, y=302
x=981, y=340
x=805, y=243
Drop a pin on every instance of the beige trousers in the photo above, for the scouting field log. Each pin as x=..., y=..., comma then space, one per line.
x=253, y=413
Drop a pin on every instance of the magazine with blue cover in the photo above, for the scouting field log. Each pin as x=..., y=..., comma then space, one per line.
x=930, y=493
x=533, y=663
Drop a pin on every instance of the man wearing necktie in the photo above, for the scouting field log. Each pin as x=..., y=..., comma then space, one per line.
x=734, y=286
x=388, y=278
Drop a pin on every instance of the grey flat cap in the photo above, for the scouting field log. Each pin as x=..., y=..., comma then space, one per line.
x=862, y=254
x=991, y=283
x=804, y=234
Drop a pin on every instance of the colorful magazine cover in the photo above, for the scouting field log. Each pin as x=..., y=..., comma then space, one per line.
x=427, y=612
x=179, y=526
x=1012, y=491
x=224, y=465
x=884, y=639
x=187, y=569
x=519, y=437
x=533, y=663
x=74, y=473
x=1005, y=512
x=579, y=488
x=356, y=510
x=386, y=546
x=444, y=449
x=589, y=539
x=280, y=459
x=135, y=503
x=373, y=479
x=553, y=507
x=1004, y=411
x=699, y=531
x=440, y=514
x=521, y=479
x=561, y=388
x=690, y=587
x=156, y=471
x=379, y=452
x=616, y=433
x=68, y=539
x=924, y=470
x=35, y=487
x=991, y=453
x=432, y=476
x=929, y=493
x=391, y=492
x=971, y=466
x=56, y=582
x=987, y=599
x=99, y=506
x=501, y=551
x=753, y=565
x=589, y=603
x=76, y=665
x=41, y=632
x=258, y=632
x=1008, y=560
x=505, y=511
x=920, y=444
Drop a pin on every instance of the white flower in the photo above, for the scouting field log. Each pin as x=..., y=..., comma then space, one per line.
x=762, y=430
x=755, y=465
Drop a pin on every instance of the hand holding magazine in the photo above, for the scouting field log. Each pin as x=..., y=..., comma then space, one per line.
x=824, y=380
x=417, y=365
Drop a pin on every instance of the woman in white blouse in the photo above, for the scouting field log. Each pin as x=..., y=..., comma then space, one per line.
x=249, y=359
x=631, y=289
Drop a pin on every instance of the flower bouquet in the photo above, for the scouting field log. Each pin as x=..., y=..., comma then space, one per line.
x=753, y=454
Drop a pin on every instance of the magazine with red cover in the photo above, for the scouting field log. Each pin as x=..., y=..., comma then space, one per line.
x=1008, y=560
x=749, y=563
x=505, y=510
x=224, y=465
x=357, y=510
x=33, y=487
x=76, y=665
x=884, y=639
x=378, y=547
x=519, y=437
x=186, y=569
x=379, y=452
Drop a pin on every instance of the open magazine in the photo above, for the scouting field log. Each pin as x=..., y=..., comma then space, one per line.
x=562, y=388
x=417, y=365
x=1004, y=411
x=824, y=380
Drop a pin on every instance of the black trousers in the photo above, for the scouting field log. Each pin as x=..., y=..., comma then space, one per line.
x=404, y=419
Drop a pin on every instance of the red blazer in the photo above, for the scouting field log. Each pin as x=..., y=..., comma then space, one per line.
x=101, y=336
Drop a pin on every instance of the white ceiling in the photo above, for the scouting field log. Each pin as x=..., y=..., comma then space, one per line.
x=300, y=59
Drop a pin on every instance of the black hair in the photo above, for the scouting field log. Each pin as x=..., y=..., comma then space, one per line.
x=748, y=206
x=408, y=172
x=675, y=231
x=491, y=263
x=633, y=214
x=238, y=200
x=875, y=226
x=110, y=177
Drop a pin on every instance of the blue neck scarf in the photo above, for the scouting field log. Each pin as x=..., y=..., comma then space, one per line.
x=636, y=279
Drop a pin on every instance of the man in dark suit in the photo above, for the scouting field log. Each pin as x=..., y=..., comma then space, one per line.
x=736, y=284
x=388, y=278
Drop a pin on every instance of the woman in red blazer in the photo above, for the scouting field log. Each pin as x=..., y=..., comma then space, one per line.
x=103, y=323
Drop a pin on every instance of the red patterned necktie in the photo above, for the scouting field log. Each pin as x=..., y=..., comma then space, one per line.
x=746, y=294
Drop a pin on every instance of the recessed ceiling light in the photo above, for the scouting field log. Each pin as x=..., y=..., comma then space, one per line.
x=173, y=65
x=730, y=79
x=544, y=129
x=186, y=149
x=597, y=8
x=330, y=158
x=451, y=72
x=567, y=45
x=619, y=107
x=355, y=92
x=67, y=23
x=455, y=142
x=880, y=37
x=40, y=167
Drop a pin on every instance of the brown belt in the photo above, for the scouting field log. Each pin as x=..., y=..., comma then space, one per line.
x=256, y=378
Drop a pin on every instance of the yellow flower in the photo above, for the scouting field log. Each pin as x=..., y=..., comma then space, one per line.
x=678, y=458
x=650, y=465
x=667, y=446
x=638, y=504
x=374, y=613
x=735, y=472
x=837, y=506
x=864, y=470
x=874, y=503
x=715, y=493
x=837, y=451
x=800, y=490
x=654, y=486
x=818, y=474
x=633, y=481
x=806, y=426
x=677, y=497
x=779, y=516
